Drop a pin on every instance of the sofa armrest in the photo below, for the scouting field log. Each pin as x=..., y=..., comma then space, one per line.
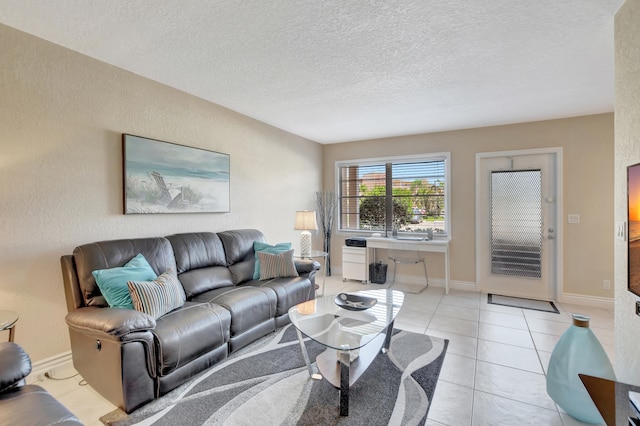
x=112, y=321
x=304, y=266
x=15, y=365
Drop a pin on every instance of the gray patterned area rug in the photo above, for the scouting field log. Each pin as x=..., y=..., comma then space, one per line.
x=267, y=383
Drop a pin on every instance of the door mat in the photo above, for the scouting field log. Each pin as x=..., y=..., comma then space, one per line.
x=517, y=302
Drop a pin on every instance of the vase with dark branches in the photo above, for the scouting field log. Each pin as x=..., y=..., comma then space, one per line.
x=327, y=204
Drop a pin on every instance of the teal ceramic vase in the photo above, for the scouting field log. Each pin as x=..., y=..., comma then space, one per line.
x=577, y=352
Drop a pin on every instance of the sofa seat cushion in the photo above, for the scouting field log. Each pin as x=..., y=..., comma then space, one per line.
x=249, y=306
x=187, y=333
x=290, y=291
x=32, y=405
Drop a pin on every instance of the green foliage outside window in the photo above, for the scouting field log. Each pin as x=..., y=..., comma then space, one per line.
x=421, y=195
x=417, y=201
x=372, y=207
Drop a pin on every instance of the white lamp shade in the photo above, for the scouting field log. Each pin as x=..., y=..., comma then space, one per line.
x=306, y=221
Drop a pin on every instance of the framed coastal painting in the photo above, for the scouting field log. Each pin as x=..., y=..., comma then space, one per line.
x=633, y=232
x=163, y=177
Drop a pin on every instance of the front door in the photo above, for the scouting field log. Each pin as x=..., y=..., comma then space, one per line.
x=516, y=232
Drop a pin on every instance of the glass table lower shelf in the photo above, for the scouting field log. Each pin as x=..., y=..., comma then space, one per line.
x=353, y=336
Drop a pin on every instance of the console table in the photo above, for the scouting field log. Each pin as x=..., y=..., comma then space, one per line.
x=437, y=246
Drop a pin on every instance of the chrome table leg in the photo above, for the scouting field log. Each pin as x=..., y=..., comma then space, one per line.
x=305, y=355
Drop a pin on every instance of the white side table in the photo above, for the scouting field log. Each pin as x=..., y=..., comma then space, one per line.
x=8, y=320
x=316, y=254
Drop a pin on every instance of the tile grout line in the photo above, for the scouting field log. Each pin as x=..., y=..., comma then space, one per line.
x=544, y=370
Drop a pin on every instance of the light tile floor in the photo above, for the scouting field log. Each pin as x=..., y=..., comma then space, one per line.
x=493, y=373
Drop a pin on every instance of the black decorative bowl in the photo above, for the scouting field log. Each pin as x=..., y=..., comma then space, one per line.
x=353, y=302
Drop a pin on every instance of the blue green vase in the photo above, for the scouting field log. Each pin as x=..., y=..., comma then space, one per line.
x=577, y=352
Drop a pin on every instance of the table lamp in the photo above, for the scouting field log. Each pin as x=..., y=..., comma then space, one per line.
x=305, y=222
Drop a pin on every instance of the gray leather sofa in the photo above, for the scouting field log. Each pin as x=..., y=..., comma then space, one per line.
x=22, y=404
x=131, y=358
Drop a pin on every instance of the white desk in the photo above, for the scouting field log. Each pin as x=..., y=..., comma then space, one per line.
x=438, y=246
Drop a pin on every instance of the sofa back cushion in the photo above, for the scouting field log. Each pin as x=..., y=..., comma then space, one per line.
x=116, y=253
x=238, y=249
x=198, y=281
x=197, y=250
x=200, y=261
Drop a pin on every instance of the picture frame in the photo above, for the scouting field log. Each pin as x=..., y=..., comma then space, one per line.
x=633, y=228
x=164, y=177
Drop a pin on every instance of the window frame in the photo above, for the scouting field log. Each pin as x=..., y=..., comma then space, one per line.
x=445, y=156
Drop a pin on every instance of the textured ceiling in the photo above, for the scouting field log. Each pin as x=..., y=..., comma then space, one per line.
x=335, y=71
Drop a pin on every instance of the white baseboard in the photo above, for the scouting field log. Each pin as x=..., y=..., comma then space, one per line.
x=453, y=284
x=569, y=298
x=462, y=285
x=57, y=365
x=417, y=280
x=594, y=301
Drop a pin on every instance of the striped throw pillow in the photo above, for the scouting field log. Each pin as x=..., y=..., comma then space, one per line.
x=277, y=265
x=157, y=297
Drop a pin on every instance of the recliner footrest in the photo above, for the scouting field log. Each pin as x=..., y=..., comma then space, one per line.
x=32, y=405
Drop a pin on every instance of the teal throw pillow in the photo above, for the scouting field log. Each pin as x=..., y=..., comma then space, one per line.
x=113, y=282
x=259, y=246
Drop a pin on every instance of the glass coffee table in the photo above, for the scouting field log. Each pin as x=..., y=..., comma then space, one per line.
x=353, y=335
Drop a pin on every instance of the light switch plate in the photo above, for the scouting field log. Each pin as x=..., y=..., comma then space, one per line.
x=621, y=231
x=573, y=218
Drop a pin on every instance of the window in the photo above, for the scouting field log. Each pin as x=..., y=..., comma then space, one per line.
x=407, y=194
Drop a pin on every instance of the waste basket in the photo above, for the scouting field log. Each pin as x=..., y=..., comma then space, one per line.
x=378, y=273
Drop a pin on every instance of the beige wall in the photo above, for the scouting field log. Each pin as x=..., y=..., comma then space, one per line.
x=587, y=144
x=627, y=152
x=61, y=119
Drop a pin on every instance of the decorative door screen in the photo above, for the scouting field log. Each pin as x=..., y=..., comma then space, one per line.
x=516, y=223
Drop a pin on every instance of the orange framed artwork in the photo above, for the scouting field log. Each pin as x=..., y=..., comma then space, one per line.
x=633, y=231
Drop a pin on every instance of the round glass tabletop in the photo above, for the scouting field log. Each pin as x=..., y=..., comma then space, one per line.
x=313, y=254
x=7, y=319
